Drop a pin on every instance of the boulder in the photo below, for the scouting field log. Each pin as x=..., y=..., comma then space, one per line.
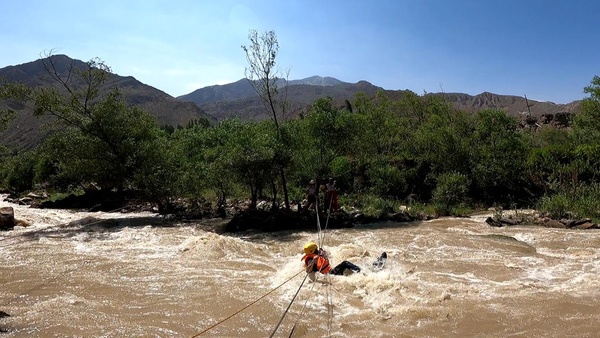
x=7, y=218
x=552, y=223
x=493, y=222
x=587, y=225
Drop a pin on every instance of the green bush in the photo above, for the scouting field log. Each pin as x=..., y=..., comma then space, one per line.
x=581, y=202
x=371, y=205
x=451, y=191
x=386, y=180
x=17, y=172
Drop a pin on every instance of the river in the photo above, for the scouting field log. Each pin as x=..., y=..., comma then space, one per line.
x=142, y=277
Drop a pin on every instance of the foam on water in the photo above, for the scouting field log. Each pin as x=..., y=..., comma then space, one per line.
x=448, y=277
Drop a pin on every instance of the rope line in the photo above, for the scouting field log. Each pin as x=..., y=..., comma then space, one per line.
x=247, y=306
x=288, y=307
x=303, y=307
x=329, y=295
x=328, y=292
x=329, y=306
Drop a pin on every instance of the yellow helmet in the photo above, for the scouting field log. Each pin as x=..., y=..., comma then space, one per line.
x=310, y=248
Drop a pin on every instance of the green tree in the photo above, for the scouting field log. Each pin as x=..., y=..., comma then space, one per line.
x=586, y=122
x=451, y=191
x=500, y=154
x=380, y=149
x=330, y=132
x=17, y=172
x=205, y=163
x=101, y=139
x=586, y=131
x=248, y=149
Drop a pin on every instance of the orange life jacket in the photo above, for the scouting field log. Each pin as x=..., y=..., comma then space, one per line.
x=320, y=263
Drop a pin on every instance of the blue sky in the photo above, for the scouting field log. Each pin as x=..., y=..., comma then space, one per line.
x=548, y=50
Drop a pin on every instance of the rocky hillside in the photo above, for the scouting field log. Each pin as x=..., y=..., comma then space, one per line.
x=514, y=105
x=26, y=130
x=239, y=99
x=244, y=103
x=242, y=89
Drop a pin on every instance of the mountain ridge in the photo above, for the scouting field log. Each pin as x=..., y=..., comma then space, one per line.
x=239, y=99
x=27, y=130
x=225, y=101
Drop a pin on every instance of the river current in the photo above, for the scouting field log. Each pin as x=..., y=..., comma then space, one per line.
x=135, y=275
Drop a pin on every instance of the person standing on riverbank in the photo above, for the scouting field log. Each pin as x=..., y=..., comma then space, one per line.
x=311, y=195
x=331, y=196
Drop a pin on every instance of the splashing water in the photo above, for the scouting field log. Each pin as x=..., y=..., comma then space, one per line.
x=140, y=277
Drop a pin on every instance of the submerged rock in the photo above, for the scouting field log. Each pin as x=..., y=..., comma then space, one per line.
x=7, y=218
x=279, y=220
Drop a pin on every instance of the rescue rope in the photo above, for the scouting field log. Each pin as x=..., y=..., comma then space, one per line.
x=321, y=241
x=329, y=294
x=247, y=306
x=330, y=307
x=301, y=310
x=326, y=222
x=288, y=308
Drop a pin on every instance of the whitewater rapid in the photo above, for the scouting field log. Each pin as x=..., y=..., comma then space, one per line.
x=138, y=275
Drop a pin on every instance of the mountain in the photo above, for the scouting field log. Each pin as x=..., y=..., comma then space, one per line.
x=513, y=105
x=27, y=130
x=242, y=89
x=317, y=81
x=240, y=100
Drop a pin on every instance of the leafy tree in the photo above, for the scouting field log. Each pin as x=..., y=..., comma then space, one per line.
x=442, y=138
x=381, y=147
x=500, y=154
x=330, y=132
x=204, y=162
x=586, y=130
x=248, y=149
x=451, y=191
x=106, y=146
x=101, y=139
x=551, y=167
x=586, y=122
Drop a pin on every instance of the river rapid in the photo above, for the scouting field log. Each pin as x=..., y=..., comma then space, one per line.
x=143, y=277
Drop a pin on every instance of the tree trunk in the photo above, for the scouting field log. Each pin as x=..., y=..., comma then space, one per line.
x=285, y=190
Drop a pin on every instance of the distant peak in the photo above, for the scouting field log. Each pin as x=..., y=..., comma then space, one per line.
x=316, y=80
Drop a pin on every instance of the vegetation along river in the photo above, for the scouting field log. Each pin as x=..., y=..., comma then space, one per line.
x=448, y=277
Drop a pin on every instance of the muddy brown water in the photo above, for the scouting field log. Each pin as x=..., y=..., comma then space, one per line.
x=450, y=277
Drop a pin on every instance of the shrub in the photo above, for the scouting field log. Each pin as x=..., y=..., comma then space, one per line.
x=580, y=202
x=450, y=192
x=18, y=172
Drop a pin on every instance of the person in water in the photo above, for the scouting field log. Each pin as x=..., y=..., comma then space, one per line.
x=316, y=260
x=380, y=262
